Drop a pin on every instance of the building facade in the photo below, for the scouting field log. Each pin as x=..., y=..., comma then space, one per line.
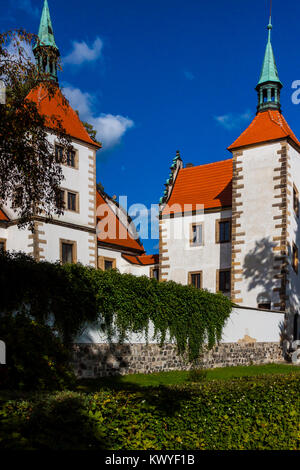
x=233, y=226
x=74, y=236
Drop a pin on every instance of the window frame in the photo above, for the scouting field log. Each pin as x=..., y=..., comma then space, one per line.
x=196, y=224
x=66, y=200
x=4, y=241
x=64, y=157
x=218, y=289
x=73, y=243
x=101, y=262
x=190, y=273
x=152, y=269
x=218, y=222
x=296, y=198
x=295, y=259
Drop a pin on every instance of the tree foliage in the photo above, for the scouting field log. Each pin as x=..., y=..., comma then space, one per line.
x=27, y=158
x=72, y=296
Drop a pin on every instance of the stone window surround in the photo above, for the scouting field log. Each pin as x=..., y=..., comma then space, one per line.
x=74, y=251
x=101, y=262
x=196, y=224
x=64, y=162
x=296, y=199
x=190, y=277
x=218, y=221
x=4, y=241
x=65, y=200
x=295, y=258
x=218, y=280
x=152, y=269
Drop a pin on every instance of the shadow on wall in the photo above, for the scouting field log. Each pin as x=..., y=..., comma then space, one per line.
x=108, y=360
x=258, y=268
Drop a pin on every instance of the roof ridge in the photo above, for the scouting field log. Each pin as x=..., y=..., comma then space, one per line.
x=207, y=164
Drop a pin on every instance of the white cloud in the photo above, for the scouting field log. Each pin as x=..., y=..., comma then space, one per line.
x=233, y=120
x=189, y=75
x=80, y=101
x=110, y=128
x=83, y=53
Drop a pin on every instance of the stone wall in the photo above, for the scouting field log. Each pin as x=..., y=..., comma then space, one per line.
x=101, y=360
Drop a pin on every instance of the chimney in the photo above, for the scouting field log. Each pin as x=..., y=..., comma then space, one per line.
x=189, y=165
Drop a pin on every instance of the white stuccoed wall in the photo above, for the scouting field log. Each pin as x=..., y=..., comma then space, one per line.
x=262, y=326
x=257, y=197
x=207, y=258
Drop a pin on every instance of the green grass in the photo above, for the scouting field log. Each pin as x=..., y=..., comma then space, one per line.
x=181, y=377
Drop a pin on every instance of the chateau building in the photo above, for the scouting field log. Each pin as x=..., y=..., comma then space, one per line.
x=73, y=236
x=233, y=225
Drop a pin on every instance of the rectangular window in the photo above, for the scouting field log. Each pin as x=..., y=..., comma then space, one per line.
x=223, y=280
x=106, y=263
x=61, y=199
x=71, y=158
x=154, y=274
x=196, y=234
x=195, y=279
x=295, y=258
x=296, y=201
x=68, y=251
x=59, y=153
x=2, y=244
x=223, y=231
x=72, y=201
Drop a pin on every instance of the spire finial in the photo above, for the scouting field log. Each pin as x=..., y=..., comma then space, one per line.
x=269, y=85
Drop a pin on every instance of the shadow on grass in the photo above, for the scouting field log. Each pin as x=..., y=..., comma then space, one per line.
x=50, y=422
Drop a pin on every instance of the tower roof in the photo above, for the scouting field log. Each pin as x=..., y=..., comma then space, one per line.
x=269, y=72
x=46, y=34
x=266, y=126
x=55, y=107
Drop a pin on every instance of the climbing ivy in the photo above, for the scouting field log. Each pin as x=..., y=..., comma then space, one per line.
x=74, y=296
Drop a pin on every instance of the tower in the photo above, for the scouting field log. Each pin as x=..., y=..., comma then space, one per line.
x=46, y=51
x=265, y=205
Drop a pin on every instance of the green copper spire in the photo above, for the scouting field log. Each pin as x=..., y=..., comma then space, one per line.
x=269, y=71
x=47, y=53
x=269, y=85
x=46, y=31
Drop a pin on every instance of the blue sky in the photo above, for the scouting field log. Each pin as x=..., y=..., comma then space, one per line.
x=155, y=76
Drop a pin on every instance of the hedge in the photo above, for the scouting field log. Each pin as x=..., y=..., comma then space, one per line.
x=36, y=358
x=248, y=413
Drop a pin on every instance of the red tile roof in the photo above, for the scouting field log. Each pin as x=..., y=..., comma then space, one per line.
x=210, y=185
x=266, y=126
x=55, y=108
x=120, y=235
x=142, y=260
x=3, y=216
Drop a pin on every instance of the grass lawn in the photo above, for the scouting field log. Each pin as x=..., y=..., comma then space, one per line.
x=182, y=377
